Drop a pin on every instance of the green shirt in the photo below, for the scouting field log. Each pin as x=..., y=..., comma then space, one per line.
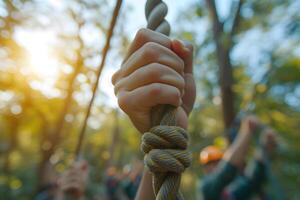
x=225, y=183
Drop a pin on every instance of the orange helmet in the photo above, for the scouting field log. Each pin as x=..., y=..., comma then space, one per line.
x=210, y=153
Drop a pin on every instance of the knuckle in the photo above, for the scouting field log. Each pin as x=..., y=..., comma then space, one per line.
x=123, y=102
x=142, y=35
x=176, y=94
x=156, y=89
x=115, y=77
x=181, y=83
x=154, y=71
x=181, y=65
x=118, y=86
x=150, y=49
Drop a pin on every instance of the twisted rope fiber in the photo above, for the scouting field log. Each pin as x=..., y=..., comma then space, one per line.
x=165, y=145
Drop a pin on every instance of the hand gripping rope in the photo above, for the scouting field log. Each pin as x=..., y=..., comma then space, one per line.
x=165, y=145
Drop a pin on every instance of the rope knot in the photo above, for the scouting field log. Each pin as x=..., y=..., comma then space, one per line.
x=165, y=145
x=166, y=157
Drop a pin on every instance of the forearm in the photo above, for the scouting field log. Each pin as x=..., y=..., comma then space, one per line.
x=237, y=151
x=145, y=191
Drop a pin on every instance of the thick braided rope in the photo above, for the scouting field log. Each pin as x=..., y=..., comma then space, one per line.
x=165, y=145
x=156, y=11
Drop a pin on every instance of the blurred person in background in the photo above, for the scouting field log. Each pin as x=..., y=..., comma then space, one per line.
x=49, y=188
x=225, y=175
x=112, y=184
x=72, y=182
x=131, y=180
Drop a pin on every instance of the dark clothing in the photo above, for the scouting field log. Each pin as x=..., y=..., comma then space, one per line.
x=47, y=192
x=213, y=185
x=243, y=187
x=226, y=184
x=130, y=187
x=112, y=185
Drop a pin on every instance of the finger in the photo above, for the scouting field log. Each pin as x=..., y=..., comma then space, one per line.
x=82, y=165
x=75, y=179
x=152, y=73
x=72, y=173
x=185, y=51
x=189, y=96
x=150, y=53
x=75, y=165
x=145, y=97
x=66, y=175
x=66, y=186
x=76, y=173
x=144, y=36
x=73, y=182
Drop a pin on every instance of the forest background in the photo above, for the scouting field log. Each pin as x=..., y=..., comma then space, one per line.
x=50, y=51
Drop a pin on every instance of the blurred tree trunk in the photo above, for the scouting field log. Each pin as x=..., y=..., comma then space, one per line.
x=224, y=42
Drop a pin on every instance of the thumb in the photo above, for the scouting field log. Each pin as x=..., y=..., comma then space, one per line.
x=185, y=51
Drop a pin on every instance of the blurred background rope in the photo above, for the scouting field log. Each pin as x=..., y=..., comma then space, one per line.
x=165, y=145
x=98, y=74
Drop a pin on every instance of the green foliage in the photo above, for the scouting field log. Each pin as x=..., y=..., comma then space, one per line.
x=29, y=115
x=276, y=102
x=289, y=72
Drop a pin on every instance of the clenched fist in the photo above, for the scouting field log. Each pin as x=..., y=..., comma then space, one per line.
x=156, y=70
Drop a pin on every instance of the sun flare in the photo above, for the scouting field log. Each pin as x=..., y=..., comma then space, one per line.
x=42, y=63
